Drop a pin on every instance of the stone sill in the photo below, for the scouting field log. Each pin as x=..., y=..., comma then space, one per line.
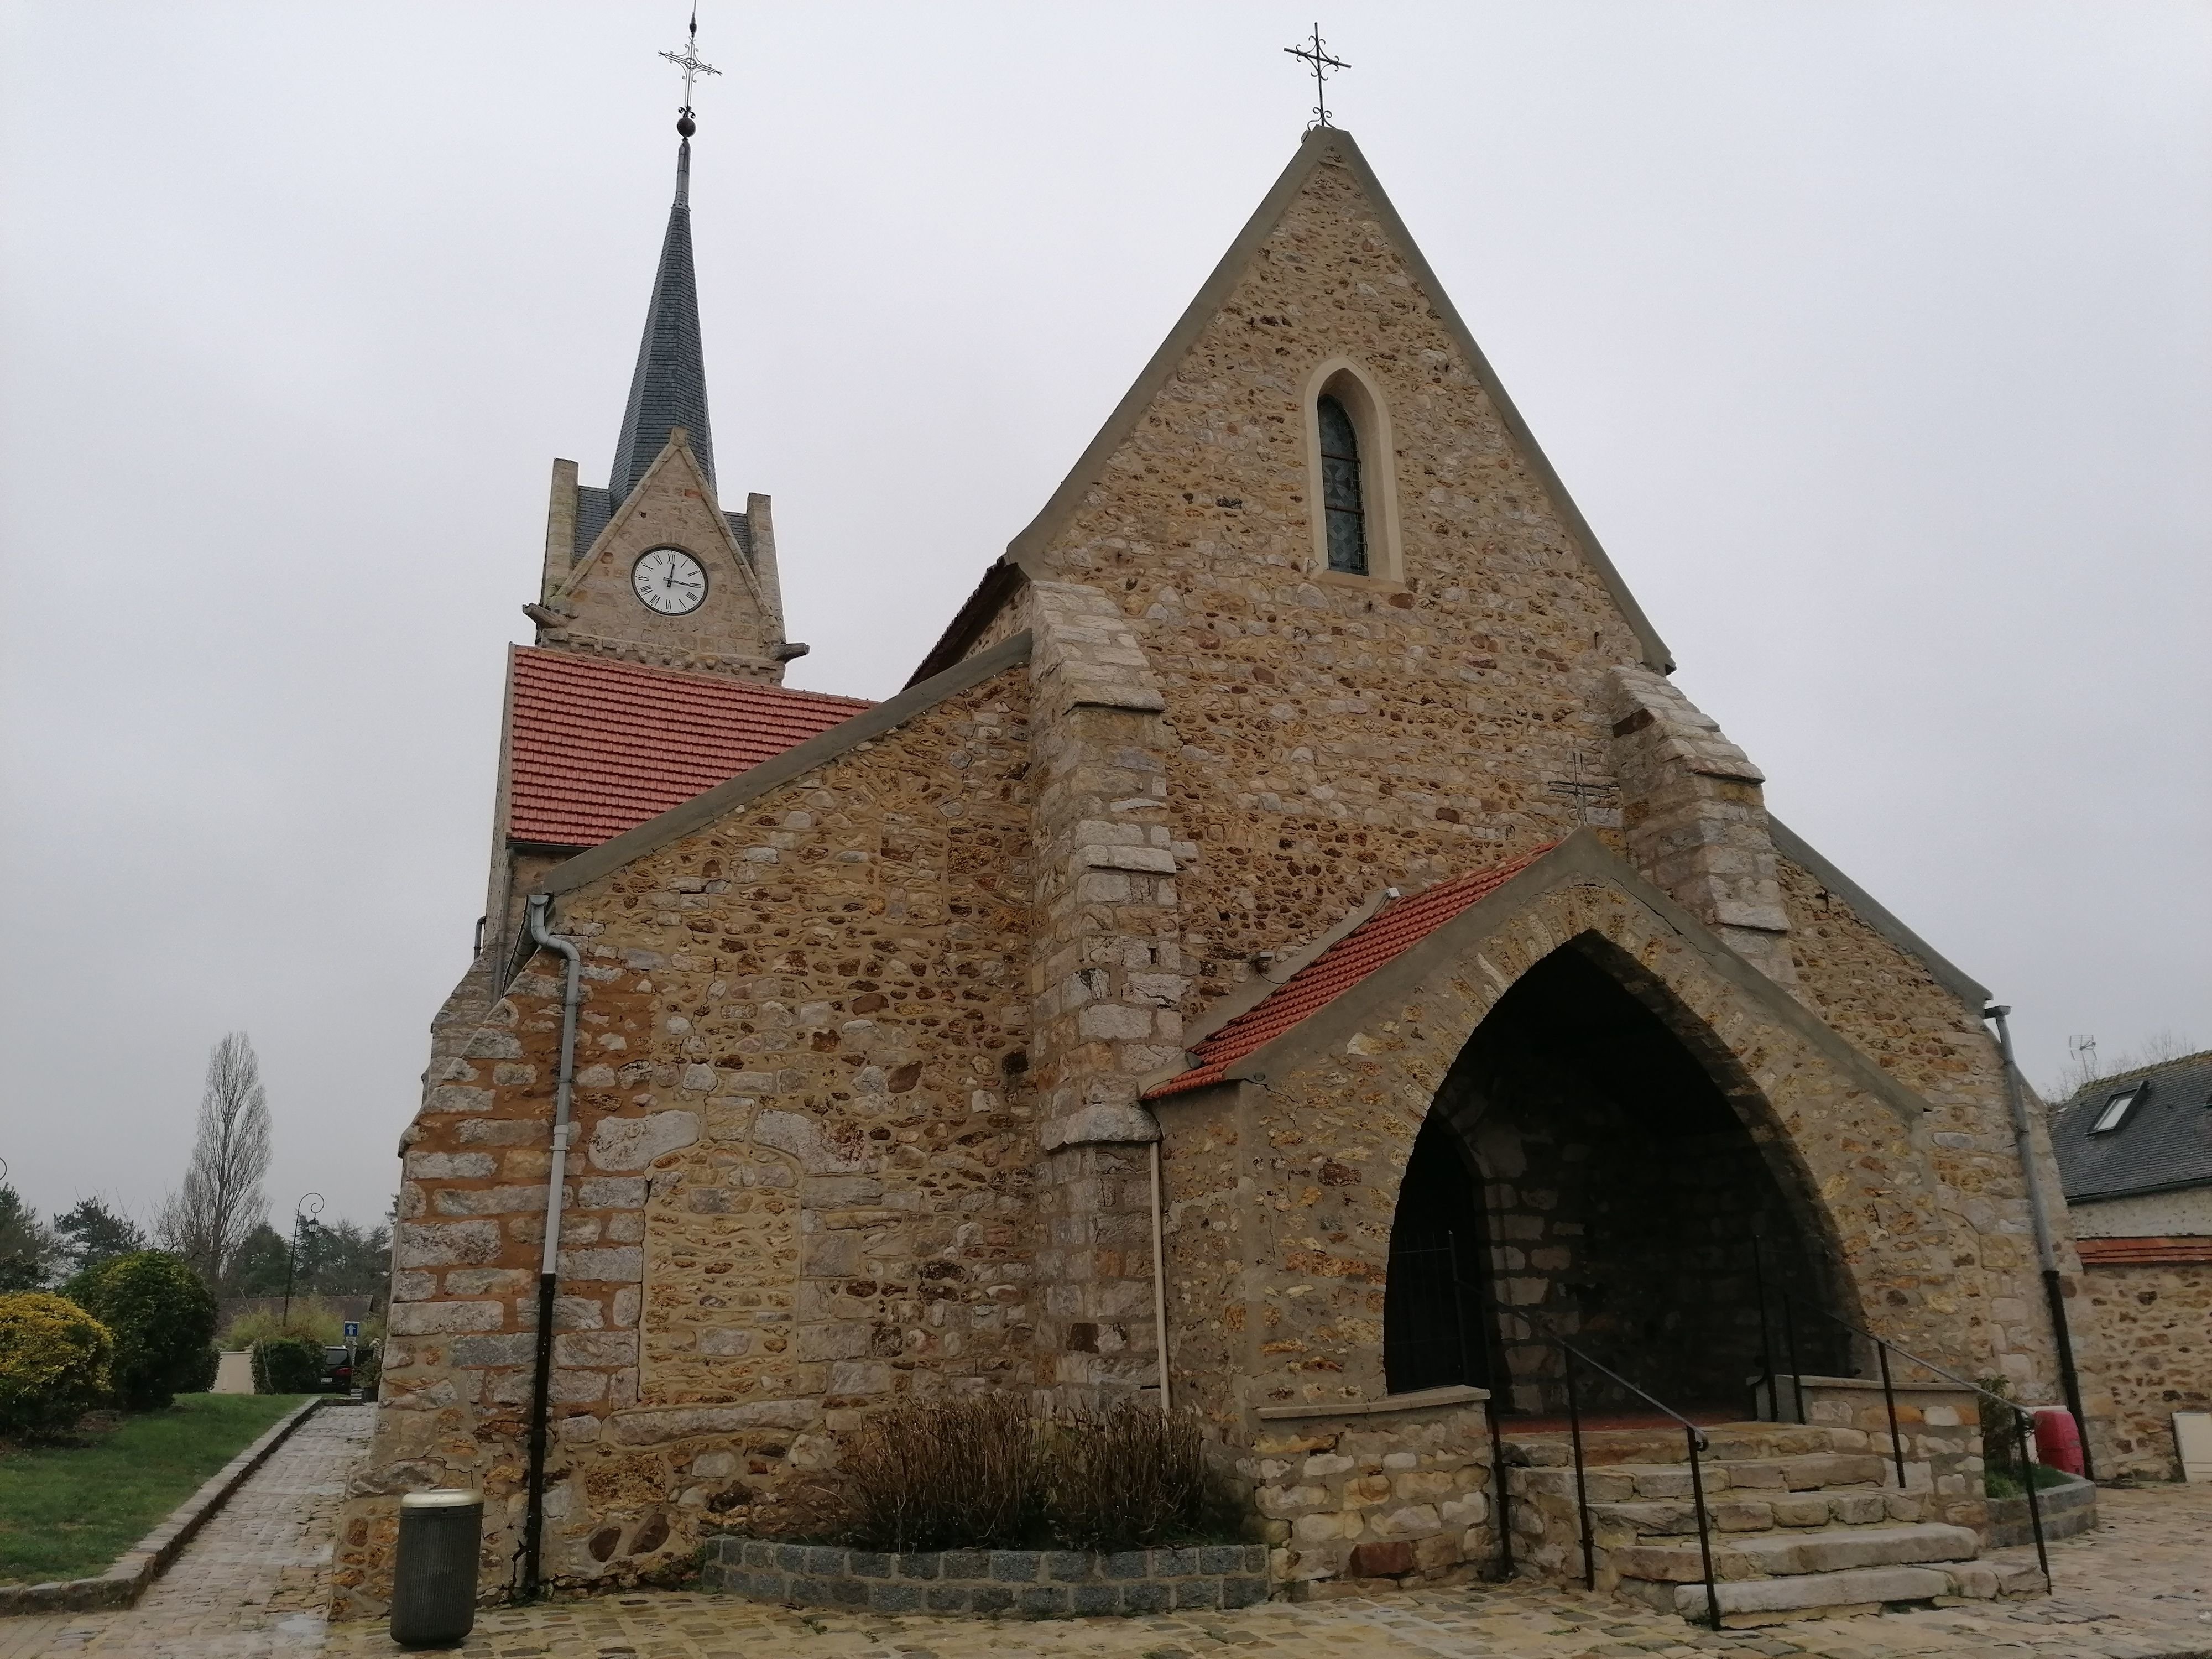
x=1869, y=1384
x=1385, y=585
x=1422, y=1400
x=1022, y=1583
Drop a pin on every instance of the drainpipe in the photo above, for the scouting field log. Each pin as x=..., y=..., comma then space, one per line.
x=541, y=1387
x=2046, y=1250
x=1159, y=1287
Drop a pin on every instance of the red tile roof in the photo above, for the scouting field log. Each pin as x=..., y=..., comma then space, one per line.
x=2144, y=1252
x=598, y=746
x=1389, y=933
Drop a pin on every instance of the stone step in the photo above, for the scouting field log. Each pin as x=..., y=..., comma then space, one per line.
x=1799, y=1554
x=1755, y=1441
x=1619, y=1482
x=1742, y=1513
x=1751, y=1601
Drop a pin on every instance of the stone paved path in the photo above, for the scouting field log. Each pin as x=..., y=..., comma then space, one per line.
x=251, y=1586
x=2140, y=1587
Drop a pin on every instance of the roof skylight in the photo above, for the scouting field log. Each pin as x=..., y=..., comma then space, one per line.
x=2116, y=1110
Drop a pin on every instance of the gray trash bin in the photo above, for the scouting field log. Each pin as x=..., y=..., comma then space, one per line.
x=433, y=1579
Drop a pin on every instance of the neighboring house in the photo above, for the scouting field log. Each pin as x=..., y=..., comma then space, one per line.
x=2136, y=1153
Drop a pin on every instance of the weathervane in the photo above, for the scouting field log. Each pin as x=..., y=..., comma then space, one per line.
x=1323, y=63
x=693, y=66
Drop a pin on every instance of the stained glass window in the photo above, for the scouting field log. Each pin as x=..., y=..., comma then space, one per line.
x=1340, y=489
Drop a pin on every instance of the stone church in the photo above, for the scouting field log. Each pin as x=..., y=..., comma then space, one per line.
x=1290, y=950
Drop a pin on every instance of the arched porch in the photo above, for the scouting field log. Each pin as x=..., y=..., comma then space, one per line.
x=1594, y=1167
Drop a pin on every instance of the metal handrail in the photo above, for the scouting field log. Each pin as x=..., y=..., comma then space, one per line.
x=2023, y=1419
x=1694, y=1438
x=1694, y=1435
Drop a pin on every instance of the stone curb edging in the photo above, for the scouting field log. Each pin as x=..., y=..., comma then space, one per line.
x=145, y=1561
x=1014, y=1583
x=2067, y=1510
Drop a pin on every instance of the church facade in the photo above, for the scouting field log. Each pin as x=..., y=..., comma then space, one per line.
x=1290, y=950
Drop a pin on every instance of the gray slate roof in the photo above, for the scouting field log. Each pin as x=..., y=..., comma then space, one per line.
x=594, y=508
x=668, y=388
x=2164, y=1142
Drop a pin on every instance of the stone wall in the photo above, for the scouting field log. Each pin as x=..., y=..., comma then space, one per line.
x=1339, y=733
x=1895, y=1012
x=1401, y=1492
x=2156, y=1319
x=800, y=1178
x=1283, y=1192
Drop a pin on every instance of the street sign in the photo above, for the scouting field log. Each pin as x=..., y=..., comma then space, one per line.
x=352, y=1329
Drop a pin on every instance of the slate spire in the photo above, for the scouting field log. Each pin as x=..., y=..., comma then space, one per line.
x=669, y=386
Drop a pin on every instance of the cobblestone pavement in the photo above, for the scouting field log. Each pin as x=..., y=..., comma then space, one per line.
x=2139, y=1586
x=251, y=1586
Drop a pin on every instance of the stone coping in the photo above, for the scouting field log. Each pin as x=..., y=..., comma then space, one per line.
x=1017, y=1584
x=1421, y=1400
x=2067, y=1510
x=145, y=1561
x=1872, y=1384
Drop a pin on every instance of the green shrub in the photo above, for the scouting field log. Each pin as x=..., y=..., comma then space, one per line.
x=979, y=1471
x=311, y=1320
x=286, y=1365
x=162, y=1318
x=201, y=1377
x=55, y=1361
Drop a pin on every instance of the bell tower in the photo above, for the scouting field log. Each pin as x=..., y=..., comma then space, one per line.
x=651, y=568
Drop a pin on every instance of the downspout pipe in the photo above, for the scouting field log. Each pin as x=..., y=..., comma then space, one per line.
x=1160, y=1285
x=2046, y=1249
x=548, y=1265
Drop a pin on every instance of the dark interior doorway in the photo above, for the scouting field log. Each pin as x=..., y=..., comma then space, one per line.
x=1436, y=1321
x=1581, y=1175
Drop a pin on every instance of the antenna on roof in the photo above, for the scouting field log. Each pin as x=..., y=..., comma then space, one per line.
x=1321, y=63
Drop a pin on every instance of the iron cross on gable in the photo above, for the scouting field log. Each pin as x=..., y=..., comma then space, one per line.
x=1322, y=63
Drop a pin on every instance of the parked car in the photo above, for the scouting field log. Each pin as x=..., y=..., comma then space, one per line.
x=338, y=1368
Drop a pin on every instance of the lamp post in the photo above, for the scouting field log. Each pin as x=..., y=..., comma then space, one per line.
x=303, y=1221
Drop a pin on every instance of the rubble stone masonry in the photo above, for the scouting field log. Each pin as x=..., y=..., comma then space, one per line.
x=1896, y=1012
x=800, y=1171
x=863, y=1039
x=1339, y=733
x=2156, y=1321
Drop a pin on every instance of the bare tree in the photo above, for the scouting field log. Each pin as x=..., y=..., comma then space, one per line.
x=221, y=1202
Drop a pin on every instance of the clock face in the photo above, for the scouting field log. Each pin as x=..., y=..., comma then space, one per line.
x=669, y=581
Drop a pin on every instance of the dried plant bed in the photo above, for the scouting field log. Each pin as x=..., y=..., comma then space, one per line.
x=1011, y=1584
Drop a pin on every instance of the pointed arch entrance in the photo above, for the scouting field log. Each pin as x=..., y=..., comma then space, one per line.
x=1584, y=1173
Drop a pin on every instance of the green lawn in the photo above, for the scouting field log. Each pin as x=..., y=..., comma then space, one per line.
x=68, y=1511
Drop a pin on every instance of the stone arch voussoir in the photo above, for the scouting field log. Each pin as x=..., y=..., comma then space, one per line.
x=1847, y=1142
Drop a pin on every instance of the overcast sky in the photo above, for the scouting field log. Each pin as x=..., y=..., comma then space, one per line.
x=1873, y=339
